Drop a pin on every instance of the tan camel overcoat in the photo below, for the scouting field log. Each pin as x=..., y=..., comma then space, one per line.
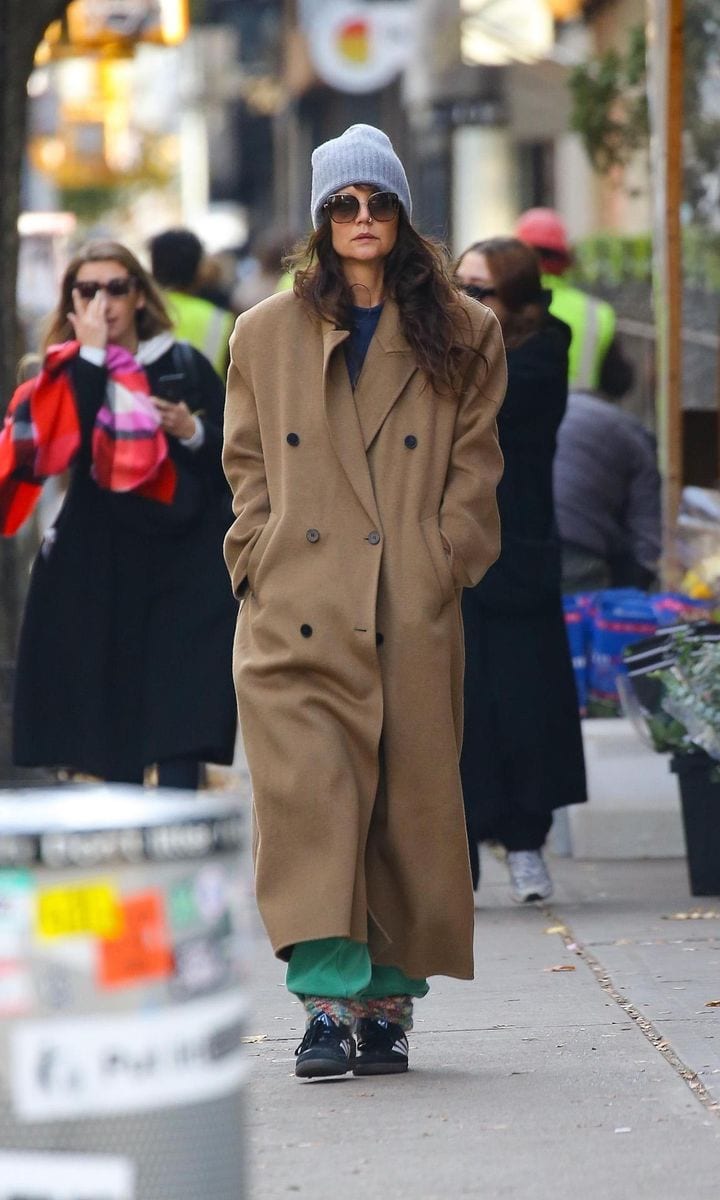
x=359, y=519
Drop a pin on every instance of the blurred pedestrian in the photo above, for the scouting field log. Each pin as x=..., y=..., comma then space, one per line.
x=125, y=651
x=522, y=750
x=607, y=497
x=176, y=258
x=216, y=280
x=596, y=360
x=266, y=277
x=361, y=446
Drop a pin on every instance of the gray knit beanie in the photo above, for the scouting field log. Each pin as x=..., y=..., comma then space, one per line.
x=362, y=154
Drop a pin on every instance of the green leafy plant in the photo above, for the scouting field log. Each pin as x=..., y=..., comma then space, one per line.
x=675, y=705
x=610, y=109
x=615, y=259
x=691, y=692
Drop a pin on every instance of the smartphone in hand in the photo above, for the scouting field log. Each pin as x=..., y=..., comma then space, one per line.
x=171, y=387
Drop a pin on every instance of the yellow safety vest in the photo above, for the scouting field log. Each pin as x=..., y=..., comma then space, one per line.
x=592, y=322
x=203, y=325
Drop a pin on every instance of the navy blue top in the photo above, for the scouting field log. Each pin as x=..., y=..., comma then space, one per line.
x=364, y=324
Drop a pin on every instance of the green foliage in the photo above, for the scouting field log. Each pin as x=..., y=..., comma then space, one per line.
x=610, y=108
x=614, y=259
x=90, y=204
x=668, y=736
x=701, y=146
x=692, y=691
x=690, y=706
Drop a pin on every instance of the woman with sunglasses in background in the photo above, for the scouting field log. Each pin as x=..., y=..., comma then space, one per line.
x=520, y=697
x=361, y=447
x=125, y=652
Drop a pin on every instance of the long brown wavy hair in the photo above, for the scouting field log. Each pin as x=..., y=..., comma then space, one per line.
x=515, y=275
x=432, y=316
x=153, y=318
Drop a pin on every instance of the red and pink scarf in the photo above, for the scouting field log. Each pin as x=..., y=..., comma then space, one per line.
x=41, y=435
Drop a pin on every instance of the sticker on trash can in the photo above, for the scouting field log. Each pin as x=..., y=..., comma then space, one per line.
x=89, y=907
x=93, y=1066
x=16, y=990
x=142, y=950
x=211, y=892
x=201, y=965
x=199, y=900
x=182, y=904
x=26, y=1176
x=16, y=911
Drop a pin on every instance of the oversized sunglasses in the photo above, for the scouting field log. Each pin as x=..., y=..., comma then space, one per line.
x=89, y=288
x=477, y=292
x=342, y=207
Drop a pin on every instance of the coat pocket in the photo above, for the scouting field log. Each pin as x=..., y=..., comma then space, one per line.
x=439, y=558
x=257, y=554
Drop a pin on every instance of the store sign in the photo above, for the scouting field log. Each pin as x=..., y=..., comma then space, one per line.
x=360, y=47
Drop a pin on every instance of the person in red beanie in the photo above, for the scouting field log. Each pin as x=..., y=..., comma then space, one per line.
x=596, y=363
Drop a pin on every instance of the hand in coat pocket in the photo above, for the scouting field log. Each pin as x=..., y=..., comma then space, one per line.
x=257, y=553
x=440, y=552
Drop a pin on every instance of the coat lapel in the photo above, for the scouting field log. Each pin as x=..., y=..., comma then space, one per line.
x=342, y=420
x=389, y=364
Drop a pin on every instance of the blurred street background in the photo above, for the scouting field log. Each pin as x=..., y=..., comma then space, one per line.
x=123, y=118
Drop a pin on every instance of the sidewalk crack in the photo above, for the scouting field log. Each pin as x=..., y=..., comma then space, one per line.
x=644, y=1024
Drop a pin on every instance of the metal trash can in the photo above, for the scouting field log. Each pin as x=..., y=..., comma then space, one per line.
x=124, y=950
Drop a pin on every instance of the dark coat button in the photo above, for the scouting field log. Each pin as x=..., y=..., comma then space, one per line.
x=379, y=639
x=306, y=630
x=374, y=538
x=313, y=535
x=293, y=439
x=411, y=441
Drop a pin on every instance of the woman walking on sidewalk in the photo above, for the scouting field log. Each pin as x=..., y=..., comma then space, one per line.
x=361, y=447
x=522, y=749
x=124, y=656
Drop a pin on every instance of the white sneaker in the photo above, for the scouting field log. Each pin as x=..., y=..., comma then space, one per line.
x=529, y=878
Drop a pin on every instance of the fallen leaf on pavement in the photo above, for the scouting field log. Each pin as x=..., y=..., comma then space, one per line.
x=556, y=929
x=255, y=1037
x=561, y=967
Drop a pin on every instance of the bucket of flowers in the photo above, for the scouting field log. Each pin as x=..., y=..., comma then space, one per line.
x=671, y=692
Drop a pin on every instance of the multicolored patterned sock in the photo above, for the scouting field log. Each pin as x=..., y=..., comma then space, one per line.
x=398, y=1010
x=338, y=1010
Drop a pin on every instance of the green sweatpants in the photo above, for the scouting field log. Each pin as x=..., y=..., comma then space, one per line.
x=342, y=969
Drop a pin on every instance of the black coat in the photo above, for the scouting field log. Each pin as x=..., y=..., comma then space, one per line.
x=126, y=645
x=522, y=751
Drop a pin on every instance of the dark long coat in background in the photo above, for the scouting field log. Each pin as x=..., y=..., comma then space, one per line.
x=126, y=646
x=522, y=740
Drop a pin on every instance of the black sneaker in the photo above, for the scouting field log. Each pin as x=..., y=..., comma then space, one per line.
x=382, y=1048
x=327, y=1049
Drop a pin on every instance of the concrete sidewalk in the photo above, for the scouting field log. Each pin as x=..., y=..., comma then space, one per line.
x=530, y=1083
